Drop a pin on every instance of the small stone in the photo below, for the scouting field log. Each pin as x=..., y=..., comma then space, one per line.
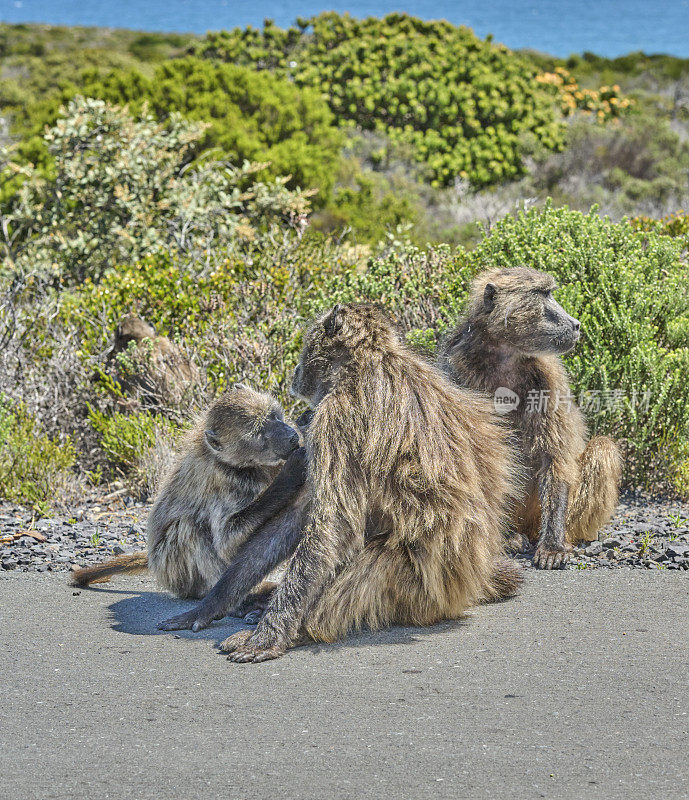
x=594, y=549
x=612, y=542
x=118, y=550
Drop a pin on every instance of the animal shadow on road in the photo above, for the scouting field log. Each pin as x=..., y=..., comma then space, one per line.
x=139, y=613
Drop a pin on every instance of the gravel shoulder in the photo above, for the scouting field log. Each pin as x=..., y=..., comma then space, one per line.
x=576, y=688
x=646, y=533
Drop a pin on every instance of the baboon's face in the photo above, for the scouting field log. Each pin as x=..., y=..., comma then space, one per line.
x=313, y=375
x=528, y=318
x=249, y=431
x=310, y=380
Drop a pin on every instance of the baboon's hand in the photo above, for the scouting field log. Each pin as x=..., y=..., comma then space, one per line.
x=251, y=646
x=550, y=556
x=295, y=467
x=197, y=619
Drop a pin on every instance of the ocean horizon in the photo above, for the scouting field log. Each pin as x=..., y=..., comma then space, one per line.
x=560, y=27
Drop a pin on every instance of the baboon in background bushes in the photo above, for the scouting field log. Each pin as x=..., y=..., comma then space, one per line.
x=512, y=337
x=411, y=480
x=160, y=373
x=240, y=470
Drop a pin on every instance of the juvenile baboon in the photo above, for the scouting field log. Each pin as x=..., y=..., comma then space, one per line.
x=510, y=340
x=150, y=366
x=230, y=480
x=410, y=481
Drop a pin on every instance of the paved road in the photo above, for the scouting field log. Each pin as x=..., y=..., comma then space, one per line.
x=577, y=689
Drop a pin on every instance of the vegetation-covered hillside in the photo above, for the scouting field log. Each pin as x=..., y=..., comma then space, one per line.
x=226, y=188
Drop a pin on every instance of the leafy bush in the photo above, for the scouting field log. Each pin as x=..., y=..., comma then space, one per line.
x=676, y=225
x=122, y=188
x=33, y=467
x=125, y=438
x=255, y=117
x=463, y=104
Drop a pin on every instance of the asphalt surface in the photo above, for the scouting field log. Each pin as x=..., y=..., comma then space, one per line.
x=579, y=688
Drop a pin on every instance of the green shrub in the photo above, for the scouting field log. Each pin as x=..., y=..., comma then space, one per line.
x=33, y=467
x=241, y=316
x=122, y=188
x=254, y=117
x=248, y=115
x=126, y=438
x=463, y=104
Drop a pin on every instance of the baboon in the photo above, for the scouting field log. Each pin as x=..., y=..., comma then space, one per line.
x=153, y=368
x=510, y=343
x=240, y=468
x=410, y=479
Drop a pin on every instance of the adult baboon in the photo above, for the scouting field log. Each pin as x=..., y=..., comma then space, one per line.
x=509, y=344
x=230, y=480
x=149, y=365
x=411, y=482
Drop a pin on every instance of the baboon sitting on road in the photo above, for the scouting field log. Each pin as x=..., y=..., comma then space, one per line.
x=410, y=480
x=229, y=482
x=511, y=339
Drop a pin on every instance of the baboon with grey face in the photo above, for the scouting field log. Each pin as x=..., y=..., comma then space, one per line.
x=512, y=337
x=240, y=469
x=159, y=372
x=410, y=480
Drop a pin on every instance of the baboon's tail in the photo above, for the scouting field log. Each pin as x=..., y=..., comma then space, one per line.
x=508, y=576
x=594, y=498
x=129, y=564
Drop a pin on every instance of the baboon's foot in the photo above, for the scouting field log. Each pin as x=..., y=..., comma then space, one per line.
x=197, y=619
x=516, y=543
x=250, y=646
x=550, y=556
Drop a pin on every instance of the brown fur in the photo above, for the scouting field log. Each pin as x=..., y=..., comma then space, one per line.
x=205, y=510
x=511, y=337
x=411, y=483
x=150, y=368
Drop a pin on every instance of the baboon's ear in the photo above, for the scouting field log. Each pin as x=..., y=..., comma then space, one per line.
x=489, y=297
x=332, y=324
x=212, y=440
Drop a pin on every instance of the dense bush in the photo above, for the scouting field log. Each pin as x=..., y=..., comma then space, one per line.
x=255, y=117
x=462, y=103
x=122, y=188
x=33, y=467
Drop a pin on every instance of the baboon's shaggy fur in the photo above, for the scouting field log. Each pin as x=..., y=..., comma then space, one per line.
x=511, y=337
x=411, y=482
x=159, y=372
x=224, y=486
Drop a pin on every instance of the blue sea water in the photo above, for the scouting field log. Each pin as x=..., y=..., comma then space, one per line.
x=560, y=27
